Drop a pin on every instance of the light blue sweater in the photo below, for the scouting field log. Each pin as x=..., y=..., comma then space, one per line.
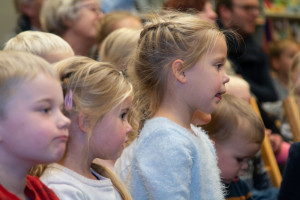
x=167, y=161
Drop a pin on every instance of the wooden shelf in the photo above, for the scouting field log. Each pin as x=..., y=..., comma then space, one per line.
x=294, y=16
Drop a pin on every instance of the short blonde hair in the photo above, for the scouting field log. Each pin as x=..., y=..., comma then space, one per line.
x=38, y=43
x=55, y=13
x=234, y=114
x=97, y=87
x=16, y=68
x=118, y=46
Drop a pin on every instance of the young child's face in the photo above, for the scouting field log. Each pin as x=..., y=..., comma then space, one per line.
x=233, y=155
x=34, y=130
x=208, y=78
x=110, y=133
x=285, y=59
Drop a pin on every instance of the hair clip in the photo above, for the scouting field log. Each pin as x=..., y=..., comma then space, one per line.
x=68, y=100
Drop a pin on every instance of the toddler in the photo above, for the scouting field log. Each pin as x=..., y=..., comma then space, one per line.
x=238, y=134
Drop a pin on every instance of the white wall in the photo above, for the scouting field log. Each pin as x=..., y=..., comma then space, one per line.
x=8, y=20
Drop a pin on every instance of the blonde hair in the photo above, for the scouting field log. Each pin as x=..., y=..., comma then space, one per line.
x=97, y=88
x=38, y=43
x=294, y=84
x=109, y=23
x=234, y=114
x=55, y=13
x=118, y=46
x=276, y=47
x=167, y=38
x=16, y=68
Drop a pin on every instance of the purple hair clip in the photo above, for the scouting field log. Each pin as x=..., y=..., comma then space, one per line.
x=68, y=100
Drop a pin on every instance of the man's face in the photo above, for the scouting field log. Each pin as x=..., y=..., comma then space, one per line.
x=243, y=16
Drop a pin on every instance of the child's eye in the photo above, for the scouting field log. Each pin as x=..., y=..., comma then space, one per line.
x=124, y=115
x=240, y=160
x=219, y=66
x=45, y=110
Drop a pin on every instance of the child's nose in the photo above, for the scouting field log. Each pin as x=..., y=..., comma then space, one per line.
x=64, y=122
x=226, y=78
x=128, y=128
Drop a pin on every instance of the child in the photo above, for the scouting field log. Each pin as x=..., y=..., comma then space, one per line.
x=97, y=100
x=256, y=175
x=33, y=129
x=238, y=134
x=113, y=21
x=118, y=46
x=46, y=45
x=171, y=159
x=281, y=54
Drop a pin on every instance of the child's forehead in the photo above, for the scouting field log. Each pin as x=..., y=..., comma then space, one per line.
x=243, y=146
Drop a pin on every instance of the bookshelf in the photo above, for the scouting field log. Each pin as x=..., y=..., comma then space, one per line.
x=282, y=19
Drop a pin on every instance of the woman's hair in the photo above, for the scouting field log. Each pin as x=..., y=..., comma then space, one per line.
x=234, y=114
x=55, y=14
x=38, y=43
x=110, y=21
x=169, y=37
x=15, y=69
x=185, y=5
x=118, y=46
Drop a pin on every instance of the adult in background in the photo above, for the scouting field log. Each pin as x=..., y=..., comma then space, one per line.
x=29, y=12
x=76, y=21
x=248, y=57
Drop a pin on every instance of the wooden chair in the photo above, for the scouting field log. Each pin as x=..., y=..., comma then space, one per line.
x=292, y=114
x=268, y=154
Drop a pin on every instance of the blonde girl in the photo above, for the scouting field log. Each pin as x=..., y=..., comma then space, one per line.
x=118, y=47
x=178, y=68
x=97, y=100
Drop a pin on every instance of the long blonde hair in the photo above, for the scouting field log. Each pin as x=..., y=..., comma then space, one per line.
x=165, y=39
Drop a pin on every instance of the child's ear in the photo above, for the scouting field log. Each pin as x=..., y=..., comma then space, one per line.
x=177, y=66
x=83, y=122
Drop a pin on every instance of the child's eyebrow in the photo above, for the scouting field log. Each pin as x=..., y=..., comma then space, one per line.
x=48, y=100
x=220, y=59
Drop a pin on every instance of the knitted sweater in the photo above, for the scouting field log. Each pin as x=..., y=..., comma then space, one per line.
x=168, y=161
